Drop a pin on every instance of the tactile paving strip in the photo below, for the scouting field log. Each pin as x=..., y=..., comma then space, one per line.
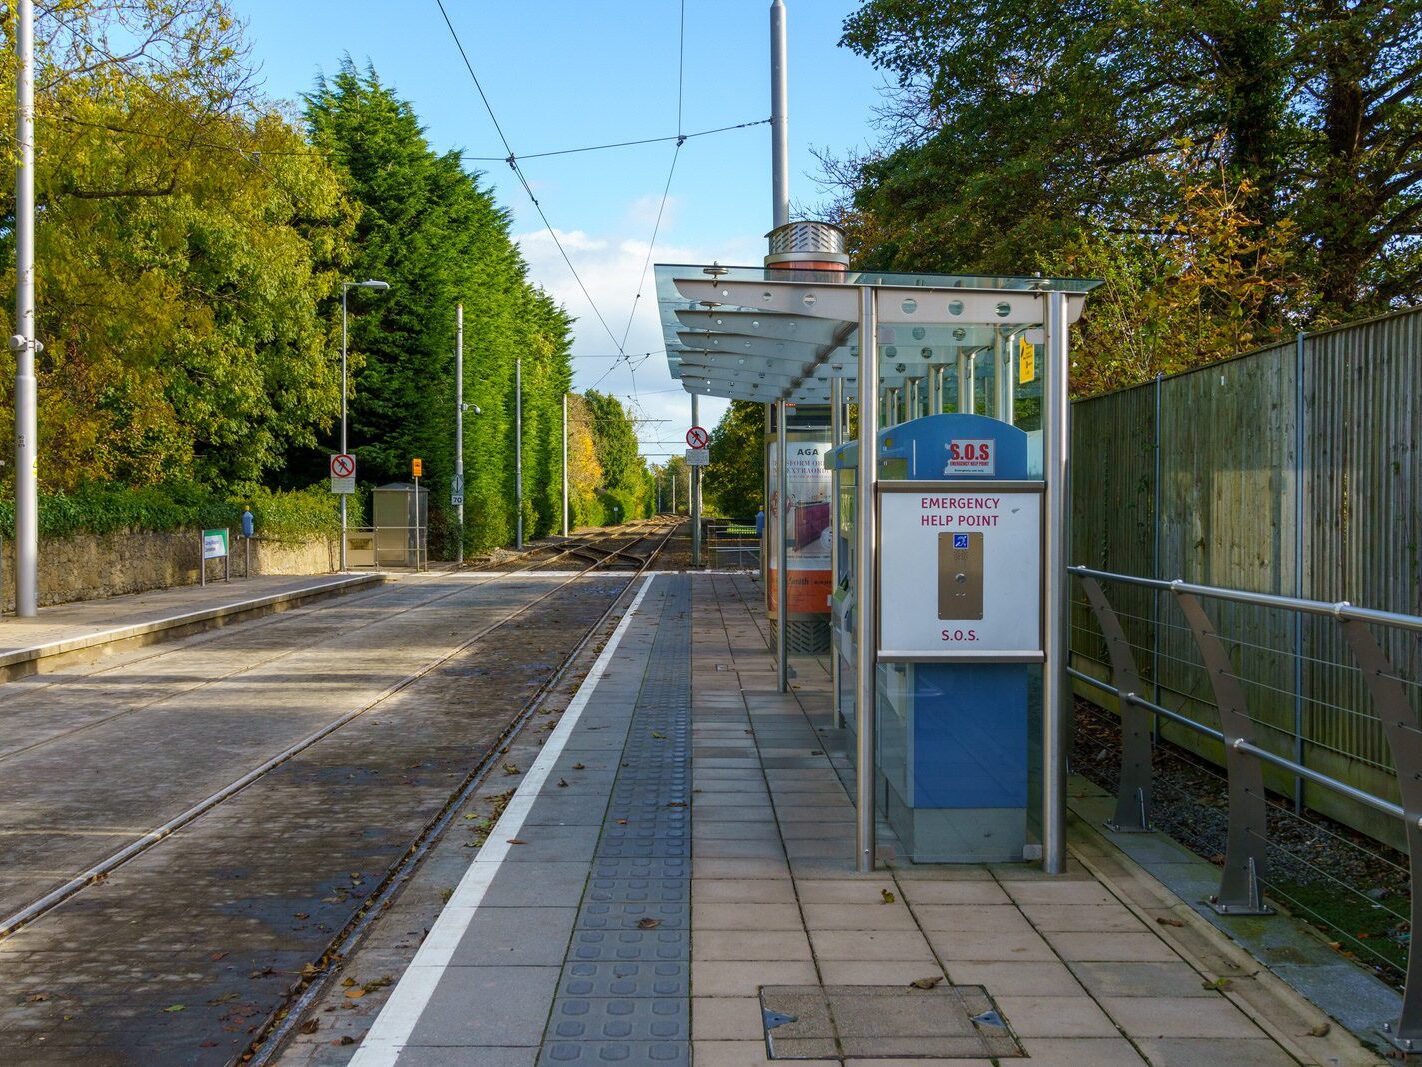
x=624, y=992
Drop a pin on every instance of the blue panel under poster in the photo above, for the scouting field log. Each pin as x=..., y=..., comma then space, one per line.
x=970, y=735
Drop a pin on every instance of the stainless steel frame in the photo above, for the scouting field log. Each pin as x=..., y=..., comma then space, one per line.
x=866, y=609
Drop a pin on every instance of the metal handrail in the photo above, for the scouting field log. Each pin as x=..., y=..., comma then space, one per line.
x=1340, y=609
x=1247, y=836
x=1370, y=800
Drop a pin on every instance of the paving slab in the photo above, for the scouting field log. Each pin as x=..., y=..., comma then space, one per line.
x=718, y=864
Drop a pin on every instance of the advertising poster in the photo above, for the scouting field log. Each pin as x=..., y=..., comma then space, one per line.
x=810, y=525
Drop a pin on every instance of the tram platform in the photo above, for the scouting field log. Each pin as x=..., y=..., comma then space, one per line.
x=87, y=629
x=673, y=882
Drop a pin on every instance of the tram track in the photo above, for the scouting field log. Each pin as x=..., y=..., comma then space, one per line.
x=285, y=619
x=25, y=919
x=284, y=1022
x=10, y=923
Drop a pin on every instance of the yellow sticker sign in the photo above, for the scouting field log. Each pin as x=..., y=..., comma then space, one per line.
x=417, y=467
x=1026, y=360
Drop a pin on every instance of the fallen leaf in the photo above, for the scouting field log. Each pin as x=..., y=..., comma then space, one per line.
x=310, y=1026
x=309, y=971
x=658, y=734
x=1321, y=1030
x=578, y=767
x=562, y=783
x=348, y=982
x=303, y=915
x=355, y=994
x=926, y=983
x=886, y=897
x=344, y=1039
x=1219, y=983
x=217, y=956
x=621, y=822
x=1164, y=921
x=37, y=998
x=511, y=768
x=517, y=841
x=648, y=924
x=224, y=998
x=175, y=1007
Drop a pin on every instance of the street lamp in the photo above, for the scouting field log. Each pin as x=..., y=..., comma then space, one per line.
x=346, y=287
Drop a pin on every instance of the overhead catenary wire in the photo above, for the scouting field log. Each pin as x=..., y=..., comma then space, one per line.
x=616, y=144
x=513, y=164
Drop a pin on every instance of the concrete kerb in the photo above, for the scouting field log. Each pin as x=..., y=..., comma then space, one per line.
x=46, y=656
x=1269, y=1001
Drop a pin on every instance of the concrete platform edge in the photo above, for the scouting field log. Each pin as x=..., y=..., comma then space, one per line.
x=25, y=661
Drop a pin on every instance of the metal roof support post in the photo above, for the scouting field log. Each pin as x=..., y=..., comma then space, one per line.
x=1002, y=349
x=935, y=390
x=782, y=541
x=695, y=474
x=865, y=580
x=1056, y=685
x=836, y=564
x=764, y=505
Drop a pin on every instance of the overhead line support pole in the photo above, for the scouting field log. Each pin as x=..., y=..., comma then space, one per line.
x=518, y=448
x=23, y=341
x=459, y=422
x=779, y=115
x=565, y=464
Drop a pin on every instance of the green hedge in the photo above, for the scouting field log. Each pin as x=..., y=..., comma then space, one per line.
x=106, y=509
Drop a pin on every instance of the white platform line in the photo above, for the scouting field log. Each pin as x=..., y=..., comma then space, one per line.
x=396, y=1021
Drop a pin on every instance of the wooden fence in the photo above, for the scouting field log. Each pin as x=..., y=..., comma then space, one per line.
x=1294, y=469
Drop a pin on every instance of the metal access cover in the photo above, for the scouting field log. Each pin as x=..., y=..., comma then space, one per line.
x=809, y=1022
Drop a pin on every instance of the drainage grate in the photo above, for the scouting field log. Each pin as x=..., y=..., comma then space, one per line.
x=826, y=1022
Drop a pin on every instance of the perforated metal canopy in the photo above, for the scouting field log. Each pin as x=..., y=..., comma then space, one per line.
x=751, y=333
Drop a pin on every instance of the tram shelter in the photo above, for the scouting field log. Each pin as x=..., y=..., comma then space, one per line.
x=937, y=367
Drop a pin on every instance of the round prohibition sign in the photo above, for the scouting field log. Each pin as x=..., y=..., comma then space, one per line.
x=342, y=465
x=696, y=437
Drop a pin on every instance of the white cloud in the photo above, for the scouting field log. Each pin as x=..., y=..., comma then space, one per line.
x=610, y=267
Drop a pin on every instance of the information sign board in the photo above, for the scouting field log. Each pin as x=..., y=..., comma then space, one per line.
x=456, y=491
x=214, y=544
x=698, y=457
x=417, y=468
x=960, y=571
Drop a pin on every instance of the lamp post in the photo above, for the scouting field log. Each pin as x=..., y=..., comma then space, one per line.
x=346, y=287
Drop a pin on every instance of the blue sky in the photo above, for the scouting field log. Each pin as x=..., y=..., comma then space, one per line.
x=568, y=73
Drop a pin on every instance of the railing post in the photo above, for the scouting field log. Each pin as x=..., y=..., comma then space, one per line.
x=1133, y=793
x=1405, y=740
x=1248, y=823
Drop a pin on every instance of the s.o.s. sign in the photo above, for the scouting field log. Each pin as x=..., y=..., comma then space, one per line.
x=970, y=456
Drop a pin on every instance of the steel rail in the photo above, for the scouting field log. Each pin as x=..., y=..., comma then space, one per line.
x=279, y=1027
x=57, y=896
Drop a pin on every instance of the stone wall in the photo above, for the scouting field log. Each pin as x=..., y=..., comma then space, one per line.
x=90, y=566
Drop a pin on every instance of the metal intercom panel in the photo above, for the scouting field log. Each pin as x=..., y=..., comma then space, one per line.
x=960, y=576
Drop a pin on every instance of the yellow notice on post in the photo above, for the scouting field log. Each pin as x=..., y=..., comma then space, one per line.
x=1026, y=360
